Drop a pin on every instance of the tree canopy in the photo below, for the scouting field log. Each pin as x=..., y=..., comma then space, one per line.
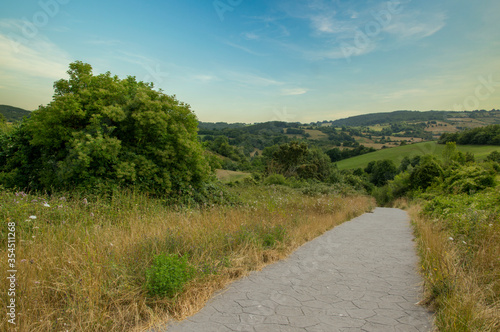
x=103, y=130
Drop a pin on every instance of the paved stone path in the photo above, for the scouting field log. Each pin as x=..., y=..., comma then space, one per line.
x=360, y=276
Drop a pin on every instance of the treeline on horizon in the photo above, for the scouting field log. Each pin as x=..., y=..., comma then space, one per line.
x=489, y=135
x=370, y=119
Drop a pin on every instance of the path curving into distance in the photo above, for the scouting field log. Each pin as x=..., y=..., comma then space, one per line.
x=359, y=276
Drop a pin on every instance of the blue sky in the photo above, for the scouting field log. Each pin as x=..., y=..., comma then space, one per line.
x=254, y=61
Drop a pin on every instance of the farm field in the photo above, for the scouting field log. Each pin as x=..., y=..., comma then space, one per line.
x=396, y=154
x=315, y=134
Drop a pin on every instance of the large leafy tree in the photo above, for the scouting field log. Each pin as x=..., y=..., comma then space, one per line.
x=381, y=171
x=100, y=130
x=297, y=159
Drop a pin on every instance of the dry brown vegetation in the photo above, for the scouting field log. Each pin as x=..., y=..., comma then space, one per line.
x=462, y=280
x=81, y=263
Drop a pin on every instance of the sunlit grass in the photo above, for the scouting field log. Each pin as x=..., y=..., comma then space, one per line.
x=461, y=267
x=82, y=261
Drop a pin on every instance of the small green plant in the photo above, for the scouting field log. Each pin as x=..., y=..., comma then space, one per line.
x=275, y=179
x=168, y=275
x=273, y=236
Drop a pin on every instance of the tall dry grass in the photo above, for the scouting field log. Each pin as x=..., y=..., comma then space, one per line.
x=462, y=279
x=81, y=263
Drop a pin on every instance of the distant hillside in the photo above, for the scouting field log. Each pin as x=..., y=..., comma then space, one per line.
x=219, y=125
x=460, y=119
x=13, y=114
x=396, y=154
x=391, y=117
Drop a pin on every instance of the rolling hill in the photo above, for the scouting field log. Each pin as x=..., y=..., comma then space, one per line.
x=480, y=117
x=13, y=114
x=396, y=154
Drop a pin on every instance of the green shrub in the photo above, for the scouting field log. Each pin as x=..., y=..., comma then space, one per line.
x=381, y=171
x=273, y=235
x=464, y=216
x=494, y=156
x=102, y=131
x=425, y=174
x=469, y=179
x=382, y=195
x=316, y=189
x=168, y=274
x=275, y=179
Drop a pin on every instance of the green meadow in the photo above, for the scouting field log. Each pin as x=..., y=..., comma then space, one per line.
x=396, y=154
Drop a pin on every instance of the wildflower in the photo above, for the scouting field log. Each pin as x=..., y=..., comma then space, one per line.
x=32, y=217
x=46, y=204
x=60, y=206
x=36, y=282
x=62, y=198
x=85, y=201
x=23, y=260
x=34, y=200
x=91, y=214
x=450, y=238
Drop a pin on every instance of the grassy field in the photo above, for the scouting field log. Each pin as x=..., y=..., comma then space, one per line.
x=396, y=154
x=82, y=261
x=316, y=134
x=458, y=238
x=230, y=176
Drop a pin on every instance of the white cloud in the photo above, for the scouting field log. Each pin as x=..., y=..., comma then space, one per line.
x=205, y=78
x=251, y=36
x=401, y=94
x=30, y=55
x=245, y=49
x=293, y=91
x=336, y=26
x=415, y=26
x=251, y=79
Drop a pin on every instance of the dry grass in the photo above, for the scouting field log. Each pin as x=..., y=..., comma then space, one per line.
x=81, y=266
x=227, y=176
x=462, y=281
x=316, y=134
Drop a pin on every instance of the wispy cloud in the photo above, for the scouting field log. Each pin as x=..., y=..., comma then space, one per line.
x=251, y=36
x=293, y=91
x=105, y=42
x=333, y=24
x=401, y=94
x=243, y=48
x=416, y=25
x=36, y=56
x=251, y=79
x=205, y=78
